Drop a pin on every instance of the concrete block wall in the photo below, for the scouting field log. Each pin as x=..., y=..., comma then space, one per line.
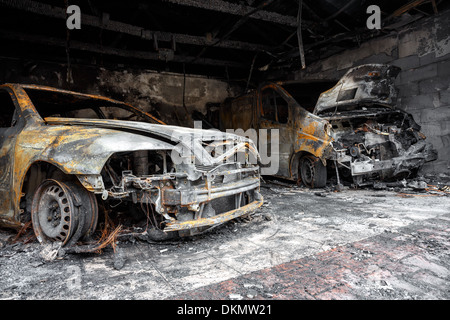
x=422, y=50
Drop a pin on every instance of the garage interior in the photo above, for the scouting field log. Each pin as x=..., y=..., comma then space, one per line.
x=180, y=60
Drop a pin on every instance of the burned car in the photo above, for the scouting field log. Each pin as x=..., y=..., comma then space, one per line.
x=66, y=157
x=354, y=129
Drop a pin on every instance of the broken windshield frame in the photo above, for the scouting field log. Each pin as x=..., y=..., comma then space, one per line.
x=65, y=104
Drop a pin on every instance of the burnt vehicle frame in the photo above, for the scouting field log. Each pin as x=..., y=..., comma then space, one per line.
x=60, y=170
x=353, y=129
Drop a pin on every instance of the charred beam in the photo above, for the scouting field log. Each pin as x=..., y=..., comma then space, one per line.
x=89, y=47
x=236, y=26
x=239, y=10
x=120, y=27
x=433, y=3
x=299, y=35
x=337, y=13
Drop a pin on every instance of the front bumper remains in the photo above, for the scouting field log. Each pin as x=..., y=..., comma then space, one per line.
x=216, y=220
x=198, y=197
x=189, y=199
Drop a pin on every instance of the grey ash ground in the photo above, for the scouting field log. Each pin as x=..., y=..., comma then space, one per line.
x=385, y=243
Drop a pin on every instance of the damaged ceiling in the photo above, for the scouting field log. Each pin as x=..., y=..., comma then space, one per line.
x=230, y=40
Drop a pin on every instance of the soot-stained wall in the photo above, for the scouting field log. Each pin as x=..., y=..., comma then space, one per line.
x=156, y=92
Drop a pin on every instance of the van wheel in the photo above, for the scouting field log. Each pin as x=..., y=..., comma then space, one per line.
x=63, y=211
x=312, y=172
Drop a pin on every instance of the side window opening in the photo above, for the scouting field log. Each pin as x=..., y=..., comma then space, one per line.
x=275, y=108
x=8, y=115
x=282, y=110
x=68, y=105
x=268, y=106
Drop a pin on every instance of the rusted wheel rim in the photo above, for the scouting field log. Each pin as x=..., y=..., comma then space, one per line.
x=307, y=170
x=53, y=212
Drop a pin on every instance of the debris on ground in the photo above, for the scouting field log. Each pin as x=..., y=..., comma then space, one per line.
x=50, y=251
x=320, y=194
x=235, y=296
x=417, y=185
x=119, y=258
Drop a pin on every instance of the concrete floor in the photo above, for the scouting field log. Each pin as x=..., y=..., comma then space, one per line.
x=302, y=244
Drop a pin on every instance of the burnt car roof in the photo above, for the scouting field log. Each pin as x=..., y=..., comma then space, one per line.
x=369, y=84
x=57, y=90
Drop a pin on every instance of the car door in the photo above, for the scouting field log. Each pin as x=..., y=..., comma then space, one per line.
x=275, y=123
x=9, y=129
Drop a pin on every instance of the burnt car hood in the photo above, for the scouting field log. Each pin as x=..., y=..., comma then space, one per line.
x=192, y=139
x=368, y=85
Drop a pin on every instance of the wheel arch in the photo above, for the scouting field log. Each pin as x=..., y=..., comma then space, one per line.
x=30, y=181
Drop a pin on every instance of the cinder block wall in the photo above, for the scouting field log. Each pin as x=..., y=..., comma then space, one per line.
x=422, y=50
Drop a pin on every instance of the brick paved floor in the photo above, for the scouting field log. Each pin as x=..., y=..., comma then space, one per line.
x=413, y=263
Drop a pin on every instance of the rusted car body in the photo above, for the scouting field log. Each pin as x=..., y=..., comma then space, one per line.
x=64, y=155
x=354, y=127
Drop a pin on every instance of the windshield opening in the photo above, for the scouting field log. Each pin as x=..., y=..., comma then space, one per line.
x=306, y=94
x=69, y=105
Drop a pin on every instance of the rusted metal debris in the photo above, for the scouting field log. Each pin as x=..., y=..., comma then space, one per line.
x=69, y=160
x=354, y=124
x=411, y=5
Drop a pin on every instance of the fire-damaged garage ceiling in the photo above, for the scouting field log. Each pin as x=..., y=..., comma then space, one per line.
x=218, y=38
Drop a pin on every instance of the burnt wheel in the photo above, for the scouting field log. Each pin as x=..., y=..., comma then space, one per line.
x=312, y=172
x=63, y=211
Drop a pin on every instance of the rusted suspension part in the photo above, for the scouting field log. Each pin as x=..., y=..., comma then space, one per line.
x=64, y=212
